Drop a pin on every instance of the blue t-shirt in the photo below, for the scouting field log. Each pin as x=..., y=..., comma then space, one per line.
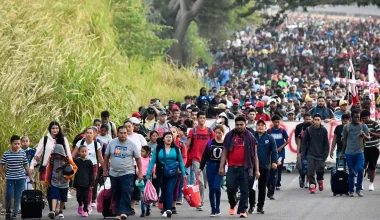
x=29, y=154
x=279, y=135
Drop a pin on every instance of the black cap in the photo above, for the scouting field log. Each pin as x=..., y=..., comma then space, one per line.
x=183, y=128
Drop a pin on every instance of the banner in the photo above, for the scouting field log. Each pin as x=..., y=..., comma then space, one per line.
x=291, y=148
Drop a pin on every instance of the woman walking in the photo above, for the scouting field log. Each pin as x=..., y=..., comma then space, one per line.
x=168, y=160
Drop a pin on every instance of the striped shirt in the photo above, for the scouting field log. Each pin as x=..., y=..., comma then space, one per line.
x=15, y=162
x=375, y=128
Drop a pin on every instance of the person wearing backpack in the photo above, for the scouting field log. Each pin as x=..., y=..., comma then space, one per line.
x=105, y=115
x=371, y=150
x=354, y=135
x=315, y=149
x=94, y=150
x=327, y=115
x=212, y=155
x=196, y=143
x=168, y=160
x=281, y=137
x=161, y=126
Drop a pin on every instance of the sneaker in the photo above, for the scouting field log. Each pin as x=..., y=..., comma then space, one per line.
x=251, y=210
x=244, y=215
x=278, y=188
x=155, y=204
x=14, y=216
x=93, y=204
x=164, y=215
x=169, y=213
x=306, y=185
x=117, y=218
x=147, y=212
x=200, y=208
x=359, y=193
x=371, y=187
x=312, y=189
x=52, y=215
x=174, y=210
x=212, y=214
x=85, y=214
x=80, y=209
x=218, y=213
x=60, y=215
x=320, y=185
x=179, y=202
x=89, y=208
x=142, y=214
x=301, y=182
x=123, y=216
x=351, y=194
x=260, y=210
x=8, y=215
x=133, y=212
x=271, y=197
x=69, y=196
x=233, y=210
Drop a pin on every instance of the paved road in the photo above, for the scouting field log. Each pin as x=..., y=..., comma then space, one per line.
x=291, y=203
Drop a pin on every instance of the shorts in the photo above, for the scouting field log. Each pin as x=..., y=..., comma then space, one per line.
x=59, y=193
x=136, y=194
x=371, y=155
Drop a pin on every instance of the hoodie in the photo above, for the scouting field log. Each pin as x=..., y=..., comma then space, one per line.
x=54, y=176
x=315, y=143
x=266, y=150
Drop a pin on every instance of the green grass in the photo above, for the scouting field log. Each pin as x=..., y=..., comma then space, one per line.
x=63, y=60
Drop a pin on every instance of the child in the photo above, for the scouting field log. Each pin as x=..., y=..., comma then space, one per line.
x=25, y=146
x=15, y=176
x=58, y=182
x=103, y=134
x=281, y=137
x=84, y=180
x=145, y=159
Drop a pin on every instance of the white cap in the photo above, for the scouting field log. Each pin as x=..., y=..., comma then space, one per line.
x=255, y=73
x=295, y=80
x=265, y=98
x=134, y=120
x=243, y=93
x=272, y=100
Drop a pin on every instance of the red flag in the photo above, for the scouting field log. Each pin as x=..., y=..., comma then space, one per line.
x=353, y=89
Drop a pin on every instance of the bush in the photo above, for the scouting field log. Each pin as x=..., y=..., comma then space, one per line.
x=60, y=60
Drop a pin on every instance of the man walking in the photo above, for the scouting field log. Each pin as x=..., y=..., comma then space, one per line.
x=121, y=153
x=240, y=151
x=354, y=134
x=315, y=149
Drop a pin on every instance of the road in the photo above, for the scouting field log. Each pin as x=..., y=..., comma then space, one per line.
x=291, y=203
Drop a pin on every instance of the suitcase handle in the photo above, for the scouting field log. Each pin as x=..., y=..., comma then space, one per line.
x=35, y=188
x=344, y=164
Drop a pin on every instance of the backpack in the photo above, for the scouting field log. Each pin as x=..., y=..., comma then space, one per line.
x=324, y=114
x=96, y=149
x=78, y=138
x=195, y=132
x=155, y=124
x=158, y=150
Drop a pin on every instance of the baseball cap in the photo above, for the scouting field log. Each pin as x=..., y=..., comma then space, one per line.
x=260, y=104
x=261, y=121
x=134, y=120
x=183, y=128
x=342, y=102
x=291, y=112
x=243, y=93
x=236, y=101
x=150, y=111
x=221, y=106
x=272, y=100
x=136, y=115
x=162, y=113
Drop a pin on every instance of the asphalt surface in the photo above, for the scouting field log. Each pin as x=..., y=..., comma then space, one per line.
x=291, y=203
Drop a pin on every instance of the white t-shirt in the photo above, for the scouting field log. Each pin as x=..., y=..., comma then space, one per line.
x=91, y=150
x=138, y=140
x=111, y=127
x=105, y=139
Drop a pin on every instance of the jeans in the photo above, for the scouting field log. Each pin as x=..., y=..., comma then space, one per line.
x=82, y=197
x=355, y=165
x=194, y=168
x=14, y=190
x=315, y=166
x=177, y=187
x=272, y=181
x=279, y=173
x=262, y=184
x=238, y=177
x=191, y=173
x=91, y=192
x=122, y=188
x=167, y=190
x=143, y=206
x=214, y=184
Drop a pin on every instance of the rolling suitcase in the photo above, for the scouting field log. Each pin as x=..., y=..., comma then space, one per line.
x=32, y=203
x=339, y=178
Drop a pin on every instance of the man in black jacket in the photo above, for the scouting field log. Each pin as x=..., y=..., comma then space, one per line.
x=315, y=148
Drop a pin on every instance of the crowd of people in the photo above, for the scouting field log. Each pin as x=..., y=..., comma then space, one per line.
x=285, y=73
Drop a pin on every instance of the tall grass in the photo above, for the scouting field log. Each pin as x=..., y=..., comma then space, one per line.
x=60, y=60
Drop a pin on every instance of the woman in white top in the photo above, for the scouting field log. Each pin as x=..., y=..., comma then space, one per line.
x=46, y=146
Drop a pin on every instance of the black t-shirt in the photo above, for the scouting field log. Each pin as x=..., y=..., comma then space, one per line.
x=175, y=124
x=338, y=131
x=212, y=153
x=298, y=131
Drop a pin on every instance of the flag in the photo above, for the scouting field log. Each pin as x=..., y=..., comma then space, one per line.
x=352, y=87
